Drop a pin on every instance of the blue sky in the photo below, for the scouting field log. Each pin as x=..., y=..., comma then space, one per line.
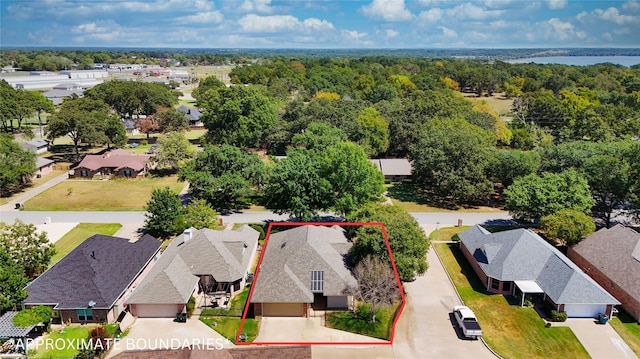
x=320, y=23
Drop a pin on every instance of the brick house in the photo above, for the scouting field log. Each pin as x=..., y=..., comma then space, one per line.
x=612, y=258
x=118, y=163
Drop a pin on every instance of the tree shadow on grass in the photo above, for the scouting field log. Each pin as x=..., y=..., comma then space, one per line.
x=408, y=192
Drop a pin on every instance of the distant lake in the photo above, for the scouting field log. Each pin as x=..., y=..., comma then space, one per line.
x=579, y=60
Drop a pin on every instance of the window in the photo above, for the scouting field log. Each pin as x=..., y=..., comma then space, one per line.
x=83, y=173
x=317, y=276
x=495, y=284
x=127, y=173
x=506, y=287
x=85, y=315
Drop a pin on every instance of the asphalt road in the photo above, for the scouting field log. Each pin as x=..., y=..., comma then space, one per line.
x=442, y=218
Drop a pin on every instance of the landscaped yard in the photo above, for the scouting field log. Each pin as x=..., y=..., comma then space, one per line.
x=78, y=234
x=510, y=330
x=447, y=233
x=228, y=320
x=629, y=330
x=360, y=324
x=68, y=341
x=101, y=195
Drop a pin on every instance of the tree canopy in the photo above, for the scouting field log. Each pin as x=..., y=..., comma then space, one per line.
x=533, y=196
x=164, y=213
x=408, y=242
x=567, y=225
x=450, y=160
x=16, y=165
x=29, y=249
x=12, y=282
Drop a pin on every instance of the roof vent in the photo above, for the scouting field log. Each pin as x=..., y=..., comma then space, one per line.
x=187, y=234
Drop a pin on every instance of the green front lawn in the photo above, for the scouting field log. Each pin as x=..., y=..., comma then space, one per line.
x=67, y=341
x=629, y=329
x=360, y=324
x=447, y=233
x=228, y=327
x=510, y=330
x=78, y=234
x=406, y=196
x=127, y=194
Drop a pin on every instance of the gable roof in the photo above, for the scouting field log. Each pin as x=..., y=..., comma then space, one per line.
x=191, y=112
x=34, y=144
x=42, y=162
x=291, y=255
x=616, y=253
x=117, y=159
x=521, y=254
x=393, y=166
x=98, y=270
x=225, y=255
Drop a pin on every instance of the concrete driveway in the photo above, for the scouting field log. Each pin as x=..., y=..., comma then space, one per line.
x=425, y=329
x=600, y=341
x=305, y=330
x=163, y=333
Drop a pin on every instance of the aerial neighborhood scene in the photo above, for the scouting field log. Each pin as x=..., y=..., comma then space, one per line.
x=319, y=179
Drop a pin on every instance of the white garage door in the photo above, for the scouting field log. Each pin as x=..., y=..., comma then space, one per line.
x=584, y=310
x=155, y=310
x=282, y=309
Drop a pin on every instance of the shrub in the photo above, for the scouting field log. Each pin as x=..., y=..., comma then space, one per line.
x=558, y=316
x=191, y=305
x=144, y=142
x=259, y=228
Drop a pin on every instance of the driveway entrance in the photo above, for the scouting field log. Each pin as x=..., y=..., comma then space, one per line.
x=305, y=330
x=600, y=341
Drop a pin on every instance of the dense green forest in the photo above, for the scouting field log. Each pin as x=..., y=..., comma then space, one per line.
x=583, y=119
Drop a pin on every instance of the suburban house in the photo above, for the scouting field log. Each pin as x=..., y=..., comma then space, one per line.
x=37, y=145
x=393, y=169
x=43, y=166
x=193, y=114
x=303, y=269
x=520, y=262
x=212, y=262
x=612, y=258
x=90, y=283
x=62, y=91
x=119, y=163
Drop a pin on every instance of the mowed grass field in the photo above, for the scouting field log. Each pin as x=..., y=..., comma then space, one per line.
x=510, y=330
x=101, y=195
x=78, y=234
x=500, y=104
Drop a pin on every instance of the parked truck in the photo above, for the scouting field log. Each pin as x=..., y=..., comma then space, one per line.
x=467, y=321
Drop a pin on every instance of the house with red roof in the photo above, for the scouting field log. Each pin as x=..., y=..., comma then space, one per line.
x=116, y=163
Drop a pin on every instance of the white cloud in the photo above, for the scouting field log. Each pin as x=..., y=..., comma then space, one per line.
x=497, y=4
x=557, y=4
x=88, y=28
x=209, y=17
x=280, y=23
x=431, y=15
x=387, y=10
x=446, y=32
x=556, y=29
x=262, y=6
x=390, y=33
x=631, y=6
x=469, y=11
x=612, y=14
x=353, y=35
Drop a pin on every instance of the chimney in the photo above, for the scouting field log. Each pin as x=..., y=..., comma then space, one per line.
x=187, y=234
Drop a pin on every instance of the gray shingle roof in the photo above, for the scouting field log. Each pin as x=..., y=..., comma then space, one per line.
x=225, y=255
x=291, y=255
x=191, y=112
x=616, y=253
x=42, y=162
x=520, y=254
x=99, y=270
x=8, y=330
x=393, y=166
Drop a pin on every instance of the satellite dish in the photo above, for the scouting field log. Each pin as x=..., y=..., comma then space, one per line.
x=91, y=304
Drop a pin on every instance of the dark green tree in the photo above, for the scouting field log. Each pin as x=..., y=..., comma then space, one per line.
x=450, y=161
x=567, y=225
x=224, y=176
x=240, y=116
x=164, y=216
x=507, y=165
x=532, y=196
x=199, y=214
x=12, y=282
x=407, y=240
x=318, y=136
x=170, y=120
x=16, y=165
x=610, y=180
x=115, y=132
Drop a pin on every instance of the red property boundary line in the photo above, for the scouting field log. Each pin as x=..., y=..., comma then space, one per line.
x=297, y=224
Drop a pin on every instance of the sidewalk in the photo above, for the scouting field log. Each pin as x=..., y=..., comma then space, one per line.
x=32, y=192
